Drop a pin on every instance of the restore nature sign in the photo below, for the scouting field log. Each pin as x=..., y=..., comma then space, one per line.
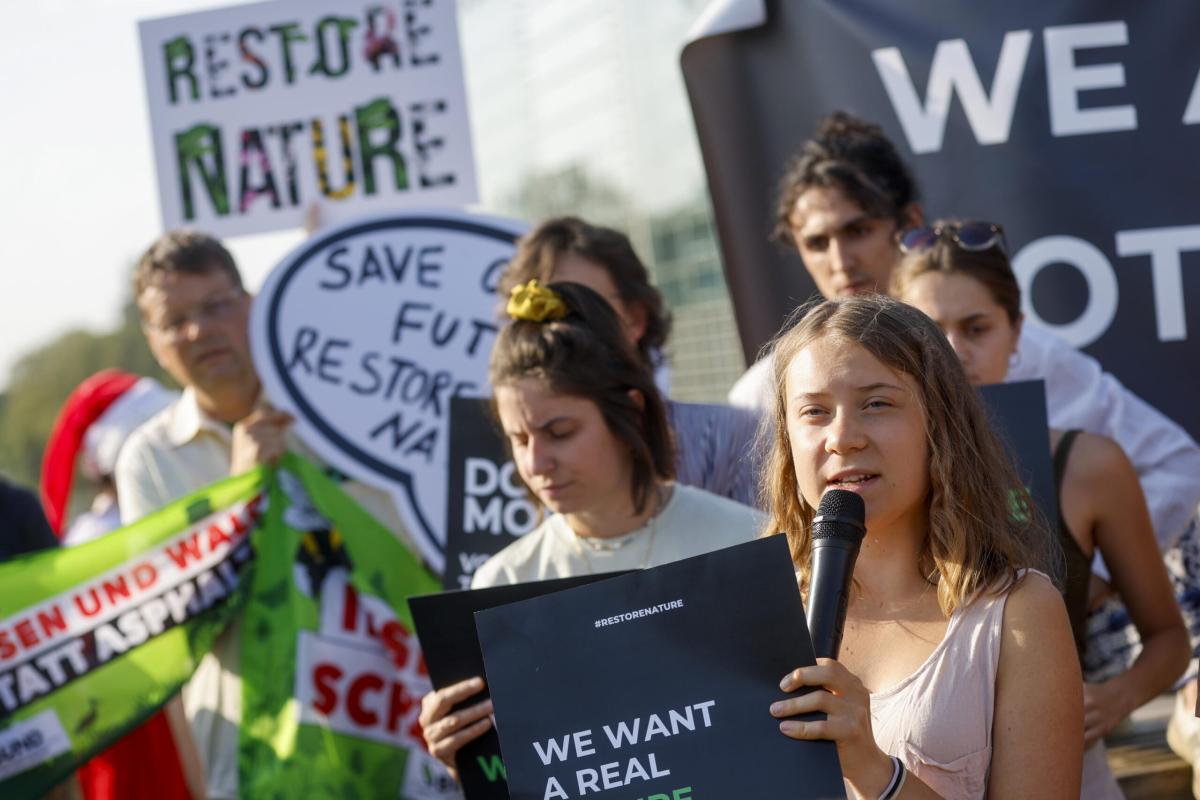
x=489, y=507
x=366, y=332
x=258, y=111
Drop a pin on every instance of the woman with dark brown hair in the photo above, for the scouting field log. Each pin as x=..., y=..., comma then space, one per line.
x=590, y=439
x=714, y=443
x=956, y=676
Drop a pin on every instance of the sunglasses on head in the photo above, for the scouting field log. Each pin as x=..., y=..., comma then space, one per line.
x=974, y=235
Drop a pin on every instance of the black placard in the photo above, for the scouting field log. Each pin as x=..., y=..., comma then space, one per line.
x=692, y=651
x=487, y=505
x=446, y=628
x=1018, y=414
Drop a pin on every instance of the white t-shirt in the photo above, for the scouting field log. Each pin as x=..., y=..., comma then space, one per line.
x=102, y=518
x=692, y=523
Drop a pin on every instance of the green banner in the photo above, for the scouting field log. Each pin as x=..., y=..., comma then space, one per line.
x=95, y=638
x=332, y=674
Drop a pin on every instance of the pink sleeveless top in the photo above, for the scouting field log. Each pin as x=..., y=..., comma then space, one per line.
x=938, y=720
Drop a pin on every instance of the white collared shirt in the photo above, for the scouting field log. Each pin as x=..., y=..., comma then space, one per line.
x=182, y=449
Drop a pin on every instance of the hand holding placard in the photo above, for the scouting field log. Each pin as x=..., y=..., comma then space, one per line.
x=446, y=627
x=671, y=699
x=846, y=704
x=260, y=438
x=446, y=732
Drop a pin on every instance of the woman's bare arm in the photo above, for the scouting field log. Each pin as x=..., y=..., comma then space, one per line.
x=1100, y=476
x=1037, y=731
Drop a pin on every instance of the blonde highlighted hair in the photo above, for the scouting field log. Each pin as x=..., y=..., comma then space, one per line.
x=983, y=526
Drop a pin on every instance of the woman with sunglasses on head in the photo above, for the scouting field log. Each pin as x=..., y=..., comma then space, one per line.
x=590, y=439
x=960, y=276
x=956, y=676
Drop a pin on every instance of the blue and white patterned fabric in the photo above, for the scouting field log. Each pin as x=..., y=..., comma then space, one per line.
x=716, y=449
x=1112, y=643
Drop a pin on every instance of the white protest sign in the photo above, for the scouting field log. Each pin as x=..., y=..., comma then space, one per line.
x=365, y=332
x=257, y=111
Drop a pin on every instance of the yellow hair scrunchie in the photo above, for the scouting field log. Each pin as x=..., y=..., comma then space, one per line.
x=535, y=303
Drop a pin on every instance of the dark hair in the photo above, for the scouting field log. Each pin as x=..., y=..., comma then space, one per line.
x=983, y=525
x=990, y=267
x=185, y=251
x=854, y=157
x=539, y=250
x=586, y=354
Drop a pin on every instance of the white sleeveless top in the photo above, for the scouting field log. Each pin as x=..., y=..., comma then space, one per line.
x=938, y=720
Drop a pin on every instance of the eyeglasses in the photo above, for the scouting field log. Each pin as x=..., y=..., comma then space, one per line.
x=974, y=235
x=218, y=308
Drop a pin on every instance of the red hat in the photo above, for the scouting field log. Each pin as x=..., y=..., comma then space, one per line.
x=104, y=409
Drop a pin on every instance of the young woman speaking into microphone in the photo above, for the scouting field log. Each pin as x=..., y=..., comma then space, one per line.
x=957, y=675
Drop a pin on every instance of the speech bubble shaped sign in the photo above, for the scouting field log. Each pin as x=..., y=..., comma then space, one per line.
x=365, y=332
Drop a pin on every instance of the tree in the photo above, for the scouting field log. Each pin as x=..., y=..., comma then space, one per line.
x=42, y=379
x=571, y=190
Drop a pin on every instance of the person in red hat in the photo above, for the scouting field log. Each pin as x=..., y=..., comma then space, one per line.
x=96, y=418
x=94, y=422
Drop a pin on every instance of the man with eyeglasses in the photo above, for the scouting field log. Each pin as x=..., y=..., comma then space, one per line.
x=195, y=315
x=846, y=202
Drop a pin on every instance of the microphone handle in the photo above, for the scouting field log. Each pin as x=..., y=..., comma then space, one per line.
x=829, y=593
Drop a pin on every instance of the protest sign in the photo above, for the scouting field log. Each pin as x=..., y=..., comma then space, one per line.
x=332, y=674
x=657, y=684
x=95, y=638
x=366, y=332
x=1072, y=124
x=489, y=506
x=259, y=110
x=1018, y=414
x=446, y=627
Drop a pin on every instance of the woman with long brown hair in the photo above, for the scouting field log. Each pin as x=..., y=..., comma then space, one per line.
x=959, y=274
x=714, y=443
x=956, y=676
x=590, y=439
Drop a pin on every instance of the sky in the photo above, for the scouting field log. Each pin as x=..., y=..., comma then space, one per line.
x=80, y=201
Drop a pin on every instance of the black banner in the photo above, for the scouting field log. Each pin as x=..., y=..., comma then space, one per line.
x=1073, y=124
x=657, y=684
x=487, y=505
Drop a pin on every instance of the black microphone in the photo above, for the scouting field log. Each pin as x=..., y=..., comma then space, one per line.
x=837, y=533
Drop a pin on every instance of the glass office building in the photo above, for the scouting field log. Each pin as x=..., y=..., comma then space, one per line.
x=578, y=107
